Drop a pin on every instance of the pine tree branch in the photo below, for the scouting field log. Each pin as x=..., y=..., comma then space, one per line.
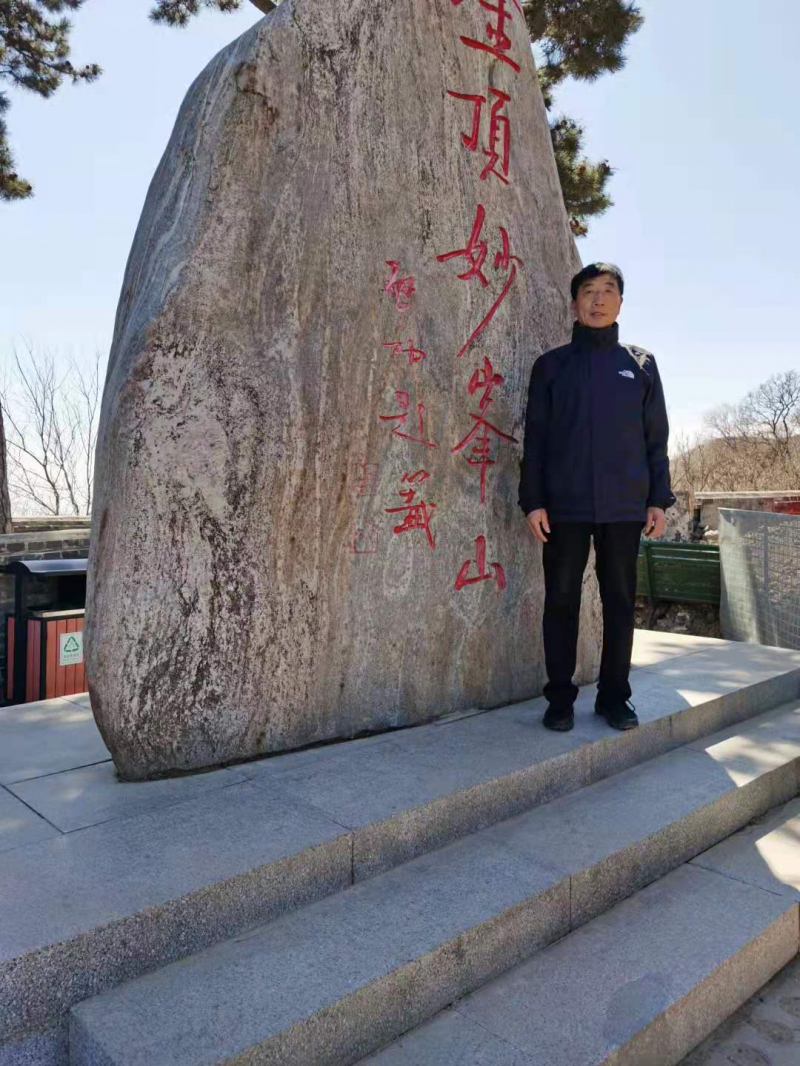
x=34, y=55
x=179, y=12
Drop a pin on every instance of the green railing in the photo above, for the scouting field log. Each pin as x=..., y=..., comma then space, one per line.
x=678, y=572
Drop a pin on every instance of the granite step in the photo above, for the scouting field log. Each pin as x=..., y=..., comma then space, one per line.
x=638, y=986
x=646, y=982
x=332, y=983
x=136, y=876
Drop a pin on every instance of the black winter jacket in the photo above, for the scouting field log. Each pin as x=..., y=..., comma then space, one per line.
x=596, y=432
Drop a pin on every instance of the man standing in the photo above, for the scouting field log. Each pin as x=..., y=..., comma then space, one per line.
x=594, y=467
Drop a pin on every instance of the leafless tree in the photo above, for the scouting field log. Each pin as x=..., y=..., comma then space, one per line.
x=750, y=445
x=693, y=463
x=51, y=410
x=5, y=500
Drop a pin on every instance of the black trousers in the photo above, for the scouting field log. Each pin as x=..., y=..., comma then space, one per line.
x=566, y=552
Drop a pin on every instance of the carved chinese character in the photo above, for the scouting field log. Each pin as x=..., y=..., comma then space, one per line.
x=498, y=574
x=400, y=289
x=484, y=377
x=365, y=539
x=475, y=254
x=498, y=42
x=480, y=453
x=366, y=478
x=415, y=355
x=404, y=401
x=498, y=147
x=417, y=514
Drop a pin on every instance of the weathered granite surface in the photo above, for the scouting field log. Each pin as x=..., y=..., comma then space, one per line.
x=291, y=390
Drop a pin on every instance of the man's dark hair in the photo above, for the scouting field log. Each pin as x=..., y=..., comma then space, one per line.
x=594, y=270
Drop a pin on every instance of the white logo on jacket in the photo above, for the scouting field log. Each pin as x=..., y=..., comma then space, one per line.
x=627, y=374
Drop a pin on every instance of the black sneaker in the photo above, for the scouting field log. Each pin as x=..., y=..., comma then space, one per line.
x=619, y=715
x=560, y=719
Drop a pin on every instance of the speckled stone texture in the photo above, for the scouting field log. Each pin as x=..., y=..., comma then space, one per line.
x=251, y=589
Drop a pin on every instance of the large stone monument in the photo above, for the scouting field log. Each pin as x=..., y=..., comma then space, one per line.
x=306, y=523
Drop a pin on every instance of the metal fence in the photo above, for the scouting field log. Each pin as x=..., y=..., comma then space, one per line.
x=760, y=554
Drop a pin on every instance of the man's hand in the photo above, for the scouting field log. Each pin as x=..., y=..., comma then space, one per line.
x=539, y=524
x=656, y=523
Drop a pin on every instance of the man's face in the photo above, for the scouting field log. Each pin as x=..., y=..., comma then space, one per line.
x=598, y=302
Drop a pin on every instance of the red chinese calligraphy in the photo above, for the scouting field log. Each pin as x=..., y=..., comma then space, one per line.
x=417, y=514
x=480, y=453
x=365, y=540
x=475, y=253
x=498, y=574
x=404, y=402
x=416, y=478
x=498, y=43
x=400, y=289
x=499, y=141
x=484, y=377
x=366, y=475
x=415, y=355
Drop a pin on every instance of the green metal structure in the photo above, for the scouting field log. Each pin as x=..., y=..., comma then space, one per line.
x=678, y=572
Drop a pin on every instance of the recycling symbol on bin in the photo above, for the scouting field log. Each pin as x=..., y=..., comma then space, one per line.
x=71, y=645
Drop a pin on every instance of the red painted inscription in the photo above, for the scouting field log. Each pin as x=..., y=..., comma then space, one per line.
x=415, y=355
x=497, y=42
x=417, y=513
x=498, y=574
x=400, y=289
x=498, y=147
x=365, y=540
x=366, y=478
x=404, y=402
x=480, y=453
x=475, y=253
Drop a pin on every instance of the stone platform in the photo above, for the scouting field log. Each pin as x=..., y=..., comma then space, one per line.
x=426, y=862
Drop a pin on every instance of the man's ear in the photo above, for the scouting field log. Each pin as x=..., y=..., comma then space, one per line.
x=574, y=306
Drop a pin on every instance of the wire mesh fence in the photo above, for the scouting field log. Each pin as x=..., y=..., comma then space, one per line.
x=760, y=555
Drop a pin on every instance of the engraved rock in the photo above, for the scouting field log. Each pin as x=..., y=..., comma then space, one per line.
x=306, y=523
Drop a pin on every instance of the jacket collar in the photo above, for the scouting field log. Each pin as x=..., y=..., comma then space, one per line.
x=595, y=339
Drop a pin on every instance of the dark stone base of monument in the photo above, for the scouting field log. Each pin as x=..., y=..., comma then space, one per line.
x=306, y=523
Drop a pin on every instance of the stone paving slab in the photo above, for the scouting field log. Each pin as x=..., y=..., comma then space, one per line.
x=77, y=799
x=19, y=825
x=372, y=803
x=352, y=954
x=652, y=646
x=393, y=946
x=765, y=853
x=47, y=737
x=450, y=1040
x=646, y=981
x=425, y=786
x=769, y=740
x=84, y=911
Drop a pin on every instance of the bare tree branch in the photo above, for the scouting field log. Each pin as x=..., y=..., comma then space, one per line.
x=5, y=500
x=753, y=444
x=51, y=418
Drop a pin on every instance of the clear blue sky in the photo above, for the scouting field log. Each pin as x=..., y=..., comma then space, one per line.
x=702, y=127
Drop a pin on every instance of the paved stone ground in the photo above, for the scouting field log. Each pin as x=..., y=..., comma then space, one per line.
x=56, y=776
x=763, y=1032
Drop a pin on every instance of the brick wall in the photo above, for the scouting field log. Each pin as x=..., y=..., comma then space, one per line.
x=34, y=543
x=779, y=502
